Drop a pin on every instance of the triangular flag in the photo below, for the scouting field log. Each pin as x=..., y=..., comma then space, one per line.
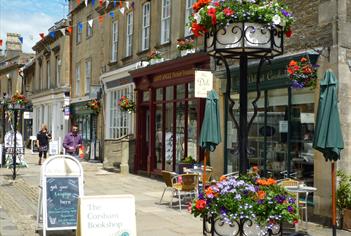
x=78, y=2
x=101, y=19
x=86, y=3
x=42, y=35
x=107, y=2
x=112, y=14
x=20, y=39
x=70, y=29
x=62, y=31
x=0, y=42
x=114, y=3
x=100, y=1
x=120, y=4
x=127, y=5
x=52, y=34
x=122, y=10
x=93, y=2
x=133, y=5
x=80, y=26
x=90, y=22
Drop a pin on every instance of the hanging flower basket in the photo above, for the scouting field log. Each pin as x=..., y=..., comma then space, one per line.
x=246, y=200
x=126, y=105
x=17, y=102
x=242, y=26
x=302, y=73
x=94, y=105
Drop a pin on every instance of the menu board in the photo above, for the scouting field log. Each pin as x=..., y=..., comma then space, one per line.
x=62, y=195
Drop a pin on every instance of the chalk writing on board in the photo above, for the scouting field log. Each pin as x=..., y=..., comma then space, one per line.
x=62, y=198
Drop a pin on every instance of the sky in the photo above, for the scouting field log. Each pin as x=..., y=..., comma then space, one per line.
x=29, y=18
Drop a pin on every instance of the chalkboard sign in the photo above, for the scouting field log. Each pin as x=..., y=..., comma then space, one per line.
x=61, y=199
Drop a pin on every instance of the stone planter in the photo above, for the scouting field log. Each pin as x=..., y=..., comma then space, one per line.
x=186, y=52
x=155, y=61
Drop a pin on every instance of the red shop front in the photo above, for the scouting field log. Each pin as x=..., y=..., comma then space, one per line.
x=168, y=116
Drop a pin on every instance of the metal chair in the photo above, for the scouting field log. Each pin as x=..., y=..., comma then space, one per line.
x=184, y=185
x=167, y=178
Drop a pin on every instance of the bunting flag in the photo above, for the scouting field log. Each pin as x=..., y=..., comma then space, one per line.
x=42, y=35
x=52, y=34
x=78, y=2
x=100, y=3
x=114, y=3
x=70, y=29
x=90, y=22
x=127, y=5
x=20, y=39
x=133, y=5
x=107, y=2
x=120, y=4
x=86, y=3
x=122, y=10
x=112, y=14
x=0, y=42
x=93, y=2
x=101, y=19
x=62, y=31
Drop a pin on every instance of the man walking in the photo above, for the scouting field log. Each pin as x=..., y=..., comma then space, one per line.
x=72, y=142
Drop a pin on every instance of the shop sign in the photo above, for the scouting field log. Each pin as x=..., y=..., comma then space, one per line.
x=174, y=75
x=203, y=83
x=106, y=215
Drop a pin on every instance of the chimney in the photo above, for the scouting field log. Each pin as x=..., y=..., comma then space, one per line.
x=13, y=45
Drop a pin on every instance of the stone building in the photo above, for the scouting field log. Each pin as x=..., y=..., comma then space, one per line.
x=50, y=87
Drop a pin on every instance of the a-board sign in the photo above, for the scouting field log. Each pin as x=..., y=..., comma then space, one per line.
x=106, y=215
x=61, y=201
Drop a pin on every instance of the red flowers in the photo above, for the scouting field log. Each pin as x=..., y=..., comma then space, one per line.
x=197, y=5
x=266, y=182
x=212, y=13
x=200, y=204
x=228, y=12
x=302, y=73
x=198, y=29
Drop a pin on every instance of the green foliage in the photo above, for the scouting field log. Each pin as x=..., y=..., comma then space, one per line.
x=188, y=160
x=343, y=193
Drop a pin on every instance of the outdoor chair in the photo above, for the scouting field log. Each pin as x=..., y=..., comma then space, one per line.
x=231, y=174
x=185, y=185
x=167, y=178
x=302, y=203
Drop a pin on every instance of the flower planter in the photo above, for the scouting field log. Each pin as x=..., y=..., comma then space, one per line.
x=186, y=52
x=346, y=224
x=246, y=37
x=155, y=61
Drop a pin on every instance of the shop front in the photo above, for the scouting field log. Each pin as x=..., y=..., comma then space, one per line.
x=86, y=119
x=168, y=116
x=280, y=138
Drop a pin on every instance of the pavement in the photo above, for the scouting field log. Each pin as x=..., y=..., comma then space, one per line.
x=19, y=201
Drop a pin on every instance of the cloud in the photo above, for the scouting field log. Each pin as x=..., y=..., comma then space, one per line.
x=29, y=18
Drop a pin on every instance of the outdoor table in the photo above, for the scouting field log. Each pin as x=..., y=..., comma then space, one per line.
x=297, y=190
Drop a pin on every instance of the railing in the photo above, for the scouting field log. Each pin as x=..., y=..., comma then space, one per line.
x=213, y=225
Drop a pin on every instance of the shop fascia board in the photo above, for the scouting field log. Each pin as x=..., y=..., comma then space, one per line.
x=120, y=73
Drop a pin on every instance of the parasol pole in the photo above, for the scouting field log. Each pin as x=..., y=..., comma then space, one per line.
x=333, y=198
x=204, y=172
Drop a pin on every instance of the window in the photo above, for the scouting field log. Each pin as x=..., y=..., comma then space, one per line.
x=58, y=71
x=165, y=21
x=188, y=12
x=114, y=41
x=77, y=79
x=145, y=44
x=118, y=123
x=87, y=76
x=79, y=30
x=48, y=72
x=89, y=27
x=129, y=40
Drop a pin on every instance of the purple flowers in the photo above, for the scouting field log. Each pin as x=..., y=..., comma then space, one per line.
x=290, y=209
x=280, y=199
x=285, y=13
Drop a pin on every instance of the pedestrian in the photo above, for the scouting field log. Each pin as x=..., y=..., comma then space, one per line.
x=72, y=142
x=43, y=138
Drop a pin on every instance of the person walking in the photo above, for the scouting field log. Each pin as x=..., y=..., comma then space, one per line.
x=43, y=138
x=72, y=142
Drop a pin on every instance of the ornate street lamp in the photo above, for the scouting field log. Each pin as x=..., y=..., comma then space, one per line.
x=244, y=41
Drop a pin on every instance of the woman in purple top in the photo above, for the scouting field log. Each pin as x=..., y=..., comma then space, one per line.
x=72, y=142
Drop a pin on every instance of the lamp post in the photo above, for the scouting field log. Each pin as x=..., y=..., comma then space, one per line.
x=244, y=41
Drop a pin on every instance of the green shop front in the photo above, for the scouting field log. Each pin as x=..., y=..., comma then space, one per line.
x=86, y=119
x=280, y=138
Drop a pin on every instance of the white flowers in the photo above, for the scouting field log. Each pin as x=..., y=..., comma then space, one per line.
x=276, y=19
